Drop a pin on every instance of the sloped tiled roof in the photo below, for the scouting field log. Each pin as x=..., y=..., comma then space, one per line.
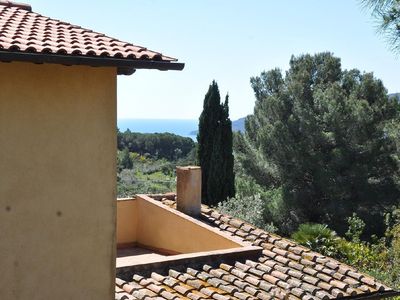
x=24, y=31
x=285, y=270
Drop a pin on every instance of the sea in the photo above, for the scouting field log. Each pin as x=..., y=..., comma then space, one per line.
x=186, y=128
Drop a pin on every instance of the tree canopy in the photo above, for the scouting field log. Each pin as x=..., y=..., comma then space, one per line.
x=159, y=145
x=321, y=134
x=215, y=148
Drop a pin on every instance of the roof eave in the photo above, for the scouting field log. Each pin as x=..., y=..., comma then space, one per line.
x=124, y=66
x=374, y=295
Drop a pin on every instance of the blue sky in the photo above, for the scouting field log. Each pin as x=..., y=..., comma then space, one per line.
x=226, y=40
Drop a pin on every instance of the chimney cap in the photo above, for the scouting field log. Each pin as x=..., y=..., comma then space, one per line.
x=188, y=167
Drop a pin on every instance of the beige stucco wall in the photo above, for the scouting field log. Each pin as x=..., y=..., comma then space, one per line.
x=127, y=222
x=167, y=229
x=57, y=181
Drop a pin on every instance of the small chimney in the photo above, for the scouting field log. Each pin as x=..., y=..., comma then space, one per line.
x=188, y=190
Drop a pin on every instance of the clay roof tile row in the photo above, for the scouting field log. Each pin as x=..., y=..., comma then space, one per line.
x=22, y=30
x=285, y=270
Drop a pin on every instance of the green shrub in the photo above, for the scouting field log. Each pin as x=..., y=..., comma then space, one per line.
x=394, y=255
x=256, y=205
x=356, y=228
x=318, y=237
x=361, y=255
x=392, y=274
x=247, y=208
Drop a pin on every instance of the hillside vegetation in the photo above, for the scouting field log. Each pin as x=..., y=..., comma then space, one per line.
x=146, y=162
x=318, y=162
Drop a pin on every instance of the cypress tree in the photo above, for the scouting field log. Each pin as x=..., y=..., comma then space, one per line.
x=227, y=142
x=215, y=148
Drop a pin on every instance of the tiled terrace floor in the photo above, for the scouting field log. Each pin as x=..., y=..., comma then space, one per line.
x=137, y=255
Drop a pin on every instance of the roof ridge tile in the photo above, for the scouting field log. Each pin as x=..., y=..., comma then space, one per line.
x=18, y=5
x=31, y=26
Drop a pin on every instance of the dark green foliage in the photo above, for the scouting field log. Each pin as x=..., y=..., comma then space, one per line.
x=215, y=148
x=394, y=257
x=356, y=228
x=146, y=162
x=125, y=160
x=253, y=204
x=387, y=13
x=320, y=134
x=317, y=237
x=159, y=145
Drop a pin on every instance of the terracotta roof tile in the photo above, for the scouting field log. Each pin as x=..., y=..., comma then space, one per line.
x=284, y=271
x=24, y=31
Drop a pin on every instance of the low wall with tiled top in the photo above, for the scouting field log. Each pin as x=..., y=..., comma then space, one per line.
x=146, y=222
x=162, y=227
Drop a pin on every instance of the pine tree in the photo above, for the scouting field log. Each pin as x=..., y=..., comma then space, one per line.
x=215, y=148
x=321, y=134
x=387, y=15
